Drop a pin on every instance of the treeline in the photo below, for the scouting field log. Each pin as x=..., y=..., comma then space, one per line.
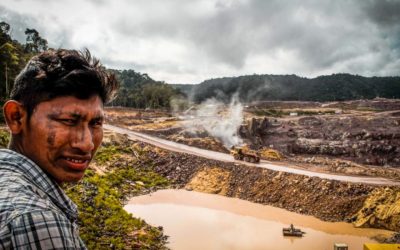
x=141, y=91
x=336, y=87
x=14, y=55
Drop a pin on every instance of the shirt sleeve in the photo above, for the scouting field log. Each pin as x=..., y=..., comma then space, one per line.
x=44, y=230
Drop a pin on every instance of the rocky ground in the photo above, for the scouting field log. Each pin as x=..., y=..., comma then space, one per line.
x=368, y=138
x=366, y=132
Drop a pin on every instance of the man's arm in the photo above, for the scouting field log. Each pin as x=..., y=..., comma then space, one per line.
x=44, y=229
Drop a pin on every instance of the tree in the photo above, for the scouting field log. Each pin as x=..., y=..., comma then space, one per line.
x=34, y=43
x=4, y=32
x=141, y=91
x=9, y=59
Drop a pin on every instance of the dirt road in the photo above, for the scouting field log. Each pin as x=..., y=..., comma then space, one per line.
x=173, y=146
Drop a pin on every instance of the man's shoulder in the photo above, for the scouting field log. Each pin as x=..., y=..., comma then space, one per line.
x=28, y=217
x=40, y=229
x=19, y=196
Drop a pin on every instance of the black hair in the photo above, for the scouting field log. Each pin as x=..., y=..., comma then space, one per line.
x=56, y=73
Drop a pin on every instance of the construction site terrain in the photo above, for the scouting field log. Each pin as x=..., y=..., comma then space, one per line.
x=351, y=138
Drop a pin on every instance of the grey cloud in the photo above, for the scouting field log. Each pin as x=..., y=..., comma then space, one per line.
x=118, y=64
x=143, y=68
x=360, y=37
x=217, y=36
x=383, y=12
x=321, y=34
x=19, y=23
x=330, y=33
x=97, y=2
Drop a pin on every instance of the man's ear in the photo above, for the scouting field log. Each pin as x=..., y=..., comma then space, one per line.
x=15, y=115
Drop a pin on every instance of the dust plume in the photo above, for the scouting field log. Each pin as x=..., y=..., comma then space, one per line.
x=218, y=120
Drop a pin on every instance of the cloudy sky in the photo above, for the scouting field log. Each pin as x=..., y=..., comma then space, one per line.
x=188, y=41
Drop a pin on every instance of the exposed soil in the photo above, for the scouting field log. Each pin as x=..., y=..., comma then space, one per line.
x=210, y=180
x=372, y=139
x=342, y=137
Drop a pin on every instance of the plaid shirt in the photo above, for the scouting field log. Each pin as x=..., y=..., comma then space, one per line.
x=35, y=213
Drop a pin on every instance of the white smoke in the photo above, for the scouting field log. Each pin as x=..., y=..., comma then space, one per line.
x=219, y=120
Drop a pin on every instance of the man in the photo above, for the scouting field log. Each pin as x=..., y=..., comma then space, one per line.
x=55, y=116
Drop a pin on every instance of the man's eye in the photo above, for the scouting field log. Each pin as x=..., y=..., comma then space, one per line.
x=97, y=123
x=68, y=121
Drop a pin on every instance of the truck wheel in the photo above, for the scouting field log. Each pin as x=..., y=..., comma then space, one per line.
x=246, y=159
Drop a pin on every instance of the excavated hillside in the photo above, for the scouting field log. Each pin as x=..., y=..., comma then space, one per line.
x=364, y=138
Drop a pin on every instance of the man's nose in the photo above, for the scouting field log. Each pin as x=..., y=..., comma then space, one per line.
x=83, y=139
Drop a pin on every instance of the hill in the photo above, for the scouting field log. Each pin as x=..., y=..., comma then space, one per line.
x=336, y=87
x=139, y=90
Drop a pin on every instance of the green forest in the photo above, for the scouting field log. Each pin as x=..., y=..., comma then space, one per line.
x=336, y=87
x=14, y=55
x=141, y=91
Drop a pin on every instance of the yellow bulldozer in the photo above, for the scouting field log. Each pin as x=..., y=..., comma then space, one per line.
x=245, y=154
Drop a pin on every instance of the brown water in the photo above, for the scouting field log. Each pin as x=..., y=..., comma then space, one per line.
x=204, y=221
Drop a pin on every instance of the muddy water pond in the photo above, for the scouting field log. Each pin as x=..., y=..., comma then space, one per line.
x=196, y=220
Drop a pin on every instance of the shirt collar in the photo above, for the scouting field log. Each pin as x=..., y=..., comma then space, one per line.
x=16, y=162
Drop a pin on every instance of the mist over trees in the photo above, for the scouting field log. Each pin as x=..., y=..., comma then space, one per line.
x=336, y=87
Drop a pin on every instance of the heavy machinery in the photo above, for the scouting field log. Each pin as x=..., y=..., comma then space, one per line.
x=245, y=154
x=292, y=231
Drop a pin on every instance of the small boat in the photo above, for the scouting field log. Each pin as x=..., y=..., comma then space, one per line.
x=292, y=231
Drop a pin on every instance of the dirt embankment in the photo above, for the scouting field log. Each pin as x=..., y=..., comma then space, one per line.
x=381, y=209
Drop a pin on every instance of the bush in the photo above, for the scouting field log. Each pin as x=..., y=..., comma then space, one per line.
x=4, y=138
x=103, y=221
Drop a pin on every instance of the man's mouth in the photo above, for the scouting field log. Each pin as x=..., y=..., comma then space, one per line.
x=77, y=163
x=75, y=160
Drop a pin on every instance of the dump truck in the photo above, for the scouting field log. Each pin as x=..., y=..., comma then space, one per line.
x=245, y=154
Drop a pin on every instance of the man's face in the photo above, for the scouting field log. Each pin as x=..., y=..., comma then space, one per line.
x=63, y=135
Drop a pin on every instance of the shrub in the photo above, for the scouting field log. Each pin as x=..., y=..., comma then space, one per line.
x=103, y=221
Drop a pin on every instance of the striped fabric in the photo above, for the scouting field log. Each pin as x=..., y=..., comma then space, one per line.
x=35, y=213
